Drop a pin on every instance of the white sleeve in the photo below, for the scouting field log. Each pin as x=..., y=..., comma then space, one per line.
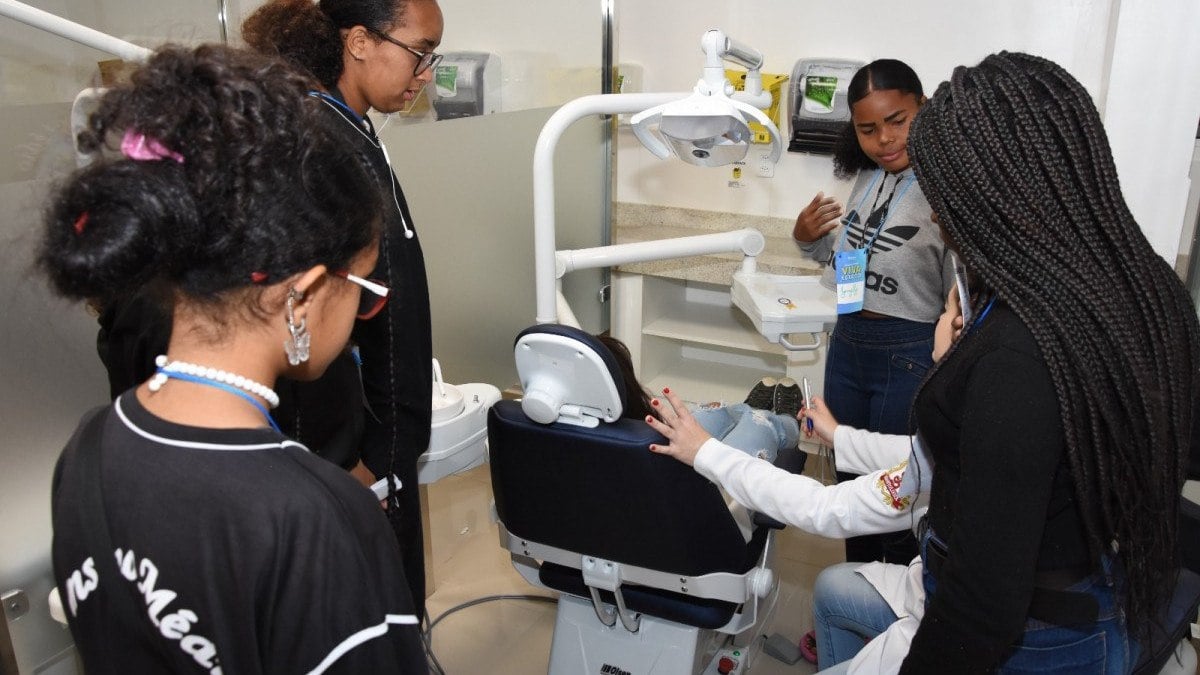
x=861, y=452
x=866, y=505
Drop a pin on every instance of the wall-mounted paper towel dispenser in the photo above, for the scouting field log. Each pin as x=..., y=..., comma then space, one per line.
x=466, y=84
x=818, y=103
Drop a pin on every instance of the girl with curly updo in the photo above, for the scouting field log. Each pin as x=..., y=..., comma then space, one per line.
x=189, y=533
x=377, y=54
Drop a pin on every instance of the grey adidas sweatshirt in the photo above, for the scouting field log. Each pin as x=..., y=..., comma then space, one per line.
x=909, y=271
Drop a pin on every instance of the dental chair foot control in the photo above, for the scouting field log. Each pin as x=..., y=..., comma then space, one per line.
x=731, y=661
x=783, y=649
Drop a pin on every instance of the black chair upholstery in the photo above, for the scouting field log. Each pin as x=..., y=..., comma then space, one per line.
x=601, y=492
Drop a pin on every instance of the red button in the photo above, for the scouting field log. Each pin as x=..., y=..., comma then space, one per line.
x=726, y=665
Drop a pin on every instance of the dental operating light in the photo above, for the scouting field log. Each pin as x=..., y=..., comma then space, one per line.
x=711, y=127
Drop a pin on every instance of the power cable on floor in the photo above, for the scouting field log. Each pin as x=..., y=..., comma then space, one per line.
x=426, y=635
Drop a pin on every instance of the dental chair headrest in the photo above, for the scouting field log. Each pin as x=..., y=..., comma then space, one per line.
x=568, y=376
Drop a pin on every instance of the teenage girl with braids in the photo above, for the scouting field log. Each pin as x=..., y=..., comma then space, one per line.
x=377, y=54
x=880, y=347
x=1061, y=421
x=1075, y=386
x=190, y=535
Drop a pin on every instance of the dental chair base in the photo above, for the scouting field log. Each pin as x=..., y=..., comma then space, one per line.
x=583, y=645
x=703, y=624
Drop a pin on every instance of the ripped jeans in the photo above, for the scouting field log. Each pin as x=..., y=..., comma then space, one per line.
x=760, y=433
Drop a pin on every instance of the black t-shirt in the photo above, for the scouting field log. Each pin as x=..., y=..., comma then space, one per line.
x=239, y=552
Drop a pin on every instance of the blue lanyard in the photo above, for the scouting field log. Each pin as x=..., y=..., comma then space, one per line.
x=195, y=379
x=341, y=104
x=892, y=203
x=979, y=319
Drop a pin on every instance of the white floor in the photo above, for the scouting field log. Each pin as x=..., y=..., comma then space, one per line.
x=512, y=637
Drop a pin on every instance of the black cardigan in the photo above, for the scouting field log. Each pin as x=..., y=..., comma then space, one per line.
x=1002, y=497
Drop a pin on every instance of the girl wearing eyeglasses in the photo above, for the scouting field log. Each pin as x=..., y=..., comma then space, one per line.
x=190, y=533
x=364, y=55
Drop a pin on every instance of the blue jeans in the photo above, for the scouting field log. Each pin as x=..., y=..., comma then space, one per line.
x=872, y=372
x=760, y=433
x=847, y=613
x=1095, y=648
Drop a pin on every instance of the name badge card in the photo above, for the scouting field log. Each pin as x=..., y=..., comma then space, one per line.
x=850, y=269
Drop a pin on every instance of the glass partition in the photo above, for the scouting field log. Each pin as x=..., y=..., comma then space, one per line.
x=49, y=367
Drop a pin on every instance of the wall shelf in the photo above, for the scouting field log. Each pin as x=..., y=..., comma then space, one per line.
x=688, y=335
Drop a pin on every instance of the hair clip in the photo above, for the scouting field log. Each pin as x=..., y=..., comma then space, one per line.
x=258, y=277
x=81, y=222
x=139, y=147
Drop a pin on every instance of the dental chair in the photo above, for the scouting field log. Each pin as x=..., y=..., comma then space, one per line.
x=652, y=572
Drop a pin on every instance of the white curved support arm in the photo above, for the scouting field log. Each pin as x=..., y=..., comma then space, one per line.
x=566, y=315
x=88, y=37
x=543, y=179
x=747, y=241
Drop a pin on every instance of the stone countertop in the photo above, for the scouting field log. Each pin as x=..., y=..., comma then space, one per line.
x=644, y=222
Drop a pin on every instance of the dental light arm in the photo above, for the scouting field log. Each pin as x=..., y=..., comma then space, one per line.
x=719, y=47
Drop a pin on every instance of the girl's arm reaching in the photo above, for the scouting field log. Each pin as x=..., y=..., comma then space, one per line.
x=872, y=503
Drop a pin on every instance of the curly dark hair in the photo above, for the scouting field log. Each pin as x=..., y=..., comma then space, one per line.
x=268, y=186
x=1015, y=162
x=848, y=157
x=308, y=35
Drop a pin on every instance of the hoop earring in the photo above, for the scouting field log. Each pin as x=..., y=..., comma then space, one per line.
x=297, y=346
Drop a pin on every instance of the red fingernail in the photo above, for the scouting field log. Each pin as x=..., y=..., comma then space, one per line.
x=666, y=390
x=653, y=401
x=649, y=418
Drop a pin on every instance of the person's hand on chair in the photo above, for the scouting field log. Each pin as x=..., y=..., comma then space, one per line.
x=683, y=432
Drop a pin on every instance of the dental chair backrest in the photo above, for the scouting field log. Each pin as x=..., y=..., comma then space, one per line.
x=568, y=376
x=598, y=490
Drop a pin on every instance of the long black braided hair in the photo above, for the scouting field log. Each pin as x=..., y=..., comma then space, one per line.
x=1015, y=162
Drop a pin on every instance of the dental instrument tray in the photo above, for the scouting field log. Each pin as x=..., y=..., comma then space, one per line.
x=780, y=304
x=817, y=95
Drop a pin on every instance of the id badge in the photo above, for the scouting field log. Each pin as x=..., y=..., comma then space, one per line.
x=850, y=270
